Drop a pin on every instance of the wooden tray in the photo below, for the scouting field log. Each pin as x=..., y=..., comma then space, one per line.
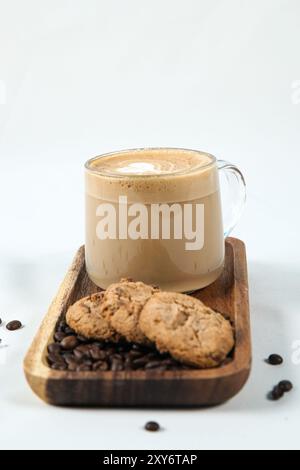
x=228, y=295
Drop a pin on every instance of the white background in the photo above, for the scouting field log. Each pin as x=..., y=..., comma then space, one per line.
x=82, y=77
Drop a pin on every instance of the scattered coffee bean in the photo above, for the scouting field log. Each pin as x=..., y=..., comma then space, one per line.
x=69, y=342
x=0, y=321
x=152, y=426
x=276, y=393
x=14, y=325
x=285, y=385
x=274, y=359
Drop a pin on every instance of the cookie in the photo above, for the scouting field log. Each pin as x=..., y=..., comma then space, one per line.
x=88, y=318
x=190, y=331
x=124, y=302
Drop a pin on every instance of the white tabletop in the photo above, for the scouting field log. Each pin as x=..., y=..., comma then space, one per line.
x=81, y=78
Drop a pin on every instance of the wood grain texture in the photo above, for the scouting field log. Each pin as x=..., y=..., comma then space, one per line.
x=228, y=295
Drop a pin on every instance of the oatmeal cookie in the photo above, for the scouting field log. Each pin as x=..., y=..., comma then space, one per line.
x=124, y=302
x=88, y=318
x=186, y=328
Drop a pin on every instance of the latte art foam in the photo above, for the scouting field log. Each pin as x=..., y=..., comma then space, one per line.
x=150, y=162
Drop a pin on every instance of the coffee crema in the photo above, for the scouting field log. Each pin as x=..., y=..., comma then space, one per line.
x=176, y=180
x=149, y=162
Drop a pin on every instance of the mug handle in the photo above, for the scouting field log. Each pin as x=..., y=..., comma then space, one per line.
x=233, y=204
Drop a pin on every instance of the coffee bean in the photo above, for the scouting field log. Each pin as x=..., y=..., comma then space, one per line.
x=54, y=348
x=152, y=356
x=100, y=365
x=141, y=361
x=117, y=356
x=116, y=365
x=96, y=353
x=170, y=362
x=54, y=357
x=83, y=367
x=110, y=351
x=78, y=354
x=82, y=339
x=61, y=326
x=285, y=385
x=128, y=363
x=276, y=393
x=152, y=426
x=14, y=325
x=274, y=359
x=59, y=335
x=70, y=359
x=58, y=366
x=0, y=321
x=69, y=342
x=69, y=331
x=164, y=367
x=153, y=364
x=84, y=349
x=135, y=354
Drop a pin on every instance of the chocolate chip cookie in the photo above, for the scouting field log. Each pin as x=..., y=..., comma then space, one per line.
x=88, y=318
x=186, y=328
x=124, y=301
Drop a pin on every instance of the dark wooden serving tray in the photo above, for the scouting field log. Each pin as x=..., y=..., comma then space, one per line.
x=228, y=295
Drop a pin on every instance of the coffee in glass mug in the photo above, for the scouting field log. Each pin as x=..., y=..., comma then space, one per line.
x=154, y=215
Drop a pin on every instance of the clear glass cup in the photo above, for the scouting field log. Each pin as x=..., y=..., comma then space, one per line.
x=155, y=215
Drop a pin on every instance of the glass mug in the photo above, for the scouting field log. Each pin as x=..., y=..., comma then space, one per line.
x=154, y=215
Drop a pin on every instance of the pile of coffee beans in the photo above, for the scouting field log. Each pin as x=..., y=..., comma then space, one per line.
x=73, y=352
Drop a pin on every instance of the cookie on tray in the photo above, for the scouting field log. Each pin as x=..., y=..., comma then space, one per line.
x=186, y=328
x=124, y=302
x=88, y=318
